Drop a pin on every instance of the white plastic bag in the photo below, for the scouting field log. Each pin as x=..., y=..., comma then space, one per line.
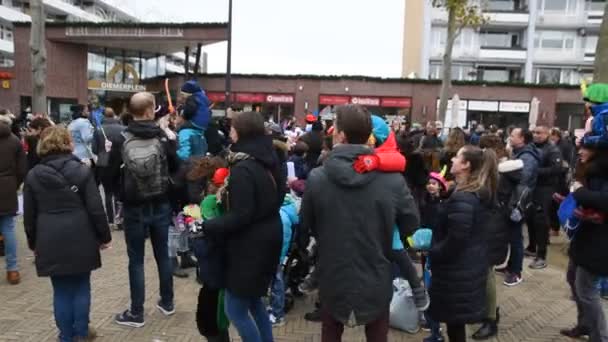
x=403, y=312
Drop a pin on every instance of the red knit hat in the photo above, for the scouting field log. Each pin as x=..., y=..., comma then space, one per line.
x=310, y=118
x=220, y=175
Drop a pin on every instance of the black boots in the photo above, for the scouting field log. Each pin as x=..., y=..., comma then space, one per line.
x=187, y=260
x=178, y=271
x=488, y=329
x=222, y=337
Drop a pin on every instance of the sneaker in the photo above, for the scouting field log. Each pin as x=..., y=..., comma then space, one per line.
x=538, y=264
x=530, y=254
x=166, y=310
x=277, y=322
x=308, y=285
x=314, y=316
x=130, y=320
x=576, y=332
x=434, y=338
x=513, y=279
x=421, y=298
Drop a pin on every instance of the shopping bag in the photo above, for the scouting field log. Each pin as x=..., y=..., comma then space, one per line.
x=404, y=315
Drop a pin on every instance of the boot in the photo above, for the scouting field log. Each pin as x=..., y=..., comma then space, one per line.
x=13, y=277
x=222, y=337
x=187, y=260
x=177, y=271
x=488, y=329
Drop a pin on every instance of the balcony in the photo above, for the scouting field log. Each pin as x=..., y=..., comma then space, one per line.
x=512, y=19
x=6, y=47
x=503, y=53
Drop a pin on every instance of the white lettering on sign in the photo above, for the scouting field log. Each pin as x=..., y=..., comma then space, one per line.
x=279, y=99
x=122, y=86
x=83, y=31
x=365, y=101
x=515, y=107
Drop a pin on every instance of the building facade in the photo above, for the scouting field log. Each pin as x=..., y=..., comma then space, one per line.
x=532, y=41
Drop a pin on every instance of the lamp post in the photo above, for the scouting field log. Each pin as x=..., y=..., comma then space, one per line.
x=229, y=57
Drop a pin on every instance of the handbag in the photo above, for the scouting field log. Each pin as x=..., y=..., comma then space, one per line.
x=103, y=157
x=403, y=314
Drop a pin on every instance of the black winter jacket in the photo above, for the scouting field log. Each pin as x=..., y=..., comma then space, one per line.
x=113, y=130
x=352, y=216
x=12, y=170
x=589, y=249
x=251, y=228
x=459, y=261
x=550, y=168
x=314, y=140
x=64, y=218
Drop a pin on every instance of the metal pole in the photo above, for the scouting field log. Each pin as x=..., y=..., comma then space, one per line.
x=197, y=63
x=187, y=61
x=124, y=63
x=229, y=57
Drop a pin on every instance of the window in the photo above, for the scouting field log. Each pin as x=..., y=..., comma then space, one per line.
x=595, y=5
x=439, y=36
x=435, y=71
x=548, y=76
x=555, y=40
x=590, y=43
x=494, y=75
x=557, y=5
x=500, y=39
x=501, y=5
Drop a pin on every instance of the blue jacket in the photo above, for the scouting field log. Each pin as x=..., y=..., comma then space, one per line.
x=191, y=141
x=531, y=157
x=289, y=218
x=198, y=110
x=82, y=131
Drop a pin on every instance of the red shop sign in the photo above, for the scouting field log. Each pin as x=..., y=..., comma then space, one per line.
x=250, y=98
x=279, y=98
x=365, y=101
x=397, y=102
x=333, y=100
x=216, y=96
x=5, y=75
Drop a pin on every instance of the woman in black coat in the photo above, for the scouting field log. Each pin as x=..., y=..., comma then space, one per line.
x=66, y=227
x=459, y=263
x=251, y=228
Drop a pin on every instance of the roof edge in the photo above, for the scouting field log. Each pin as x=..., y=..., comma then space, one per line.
x=127, y=24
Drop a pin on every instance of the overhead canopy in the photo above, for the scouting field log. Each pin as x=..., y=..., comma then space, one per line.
x=153, y=38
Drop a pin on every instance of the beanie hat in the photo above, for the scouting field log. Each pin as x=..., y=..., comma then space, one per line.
x=440, y=177
x=310, y=118
x=220, y=175
x=596, y=93
x=191, y=87
x=380, y=129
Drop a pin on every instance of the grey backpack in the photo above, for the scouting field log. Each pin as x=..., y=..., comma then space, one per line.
x=145, y=167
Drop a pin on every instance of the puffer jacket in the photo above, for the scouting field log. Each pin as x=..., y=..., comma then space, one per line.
x=81, y=130
x=191, y=140
x=289, y=218
x=460, y=260
x=64, y=219
x=12, y=169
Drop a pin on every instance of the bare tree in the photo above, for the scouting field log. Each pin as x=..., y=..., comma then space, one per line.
x=600, y=74
x=38, y=49
x=461, y=13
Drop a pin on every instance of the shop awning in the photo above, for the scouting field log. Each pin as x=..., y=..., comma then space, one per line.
x=154, y=38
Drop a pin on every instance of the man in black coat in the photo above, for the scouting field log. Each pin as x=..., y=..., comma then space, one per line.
x=107, y=145
x=521, y=142
x=352, y=216
x=548, y=180
x=314, y=140
x=12, y=172
x=146, y=211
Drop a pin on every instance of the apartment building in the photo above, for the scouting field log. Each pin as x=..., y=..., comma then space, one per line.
x=533, y=41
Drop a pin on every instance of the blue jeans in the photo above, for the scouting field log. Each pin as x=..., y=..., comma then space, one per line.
x=434, y=326
x=7, y=228
x=155, y=218
x=516, y=256
x=71, y=305
x=238, y=310
x=277, y=294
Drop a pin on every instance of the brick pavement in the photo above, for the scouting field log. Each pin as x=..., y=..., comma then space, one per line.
x=533, y=311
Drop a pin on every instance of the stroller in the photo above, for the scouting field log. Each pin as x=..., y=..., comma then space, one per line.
x=297, y=266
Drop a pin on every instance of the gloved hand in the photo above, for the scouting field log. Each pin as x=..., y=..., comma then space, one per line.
x=366, y=163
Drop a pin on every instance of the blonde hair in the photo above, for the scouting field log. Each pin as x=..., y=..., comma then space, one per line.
x=55, y=140
x=484, y=170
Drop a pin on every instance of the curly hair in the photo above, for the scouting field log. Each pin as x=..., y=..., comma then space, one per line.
x=55, y=140
x=205, y=167
x=495, y=143
x=455, y=140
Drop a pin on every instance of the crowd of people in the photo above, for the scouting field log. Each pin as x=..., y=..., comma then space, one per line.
x=267, y=212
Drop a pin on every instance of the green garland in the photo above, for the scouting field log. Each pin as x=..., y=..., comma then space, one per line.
x=376, y=79
x=127, y=24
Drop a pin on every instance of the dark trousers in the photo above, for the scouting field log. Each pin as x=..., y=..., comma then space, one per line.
x=457, y=332
x=516, y=246
x=110, y=190
x=138, y=221
x=376, y=331
x=539, y=222
x=72, y=305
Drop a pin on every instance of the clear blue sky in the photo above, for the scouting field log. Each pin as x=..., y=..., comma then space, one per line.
x=325, y=37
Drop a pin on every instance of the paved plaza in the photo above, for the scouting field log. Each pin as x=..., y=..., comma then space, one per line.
x=533, y=311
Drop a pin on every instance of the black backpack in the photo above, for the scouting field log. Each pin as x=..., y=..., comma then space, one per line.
x=145, y=168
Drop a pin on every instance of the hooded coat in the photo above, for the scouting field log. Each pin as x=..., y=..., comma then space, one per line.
x=352, y=216
x=64, y=219
x=12, y=169
x=251, y=226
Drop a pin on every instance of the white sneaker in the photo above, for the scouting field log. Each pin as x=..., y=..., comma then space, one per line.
x=277, y=322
